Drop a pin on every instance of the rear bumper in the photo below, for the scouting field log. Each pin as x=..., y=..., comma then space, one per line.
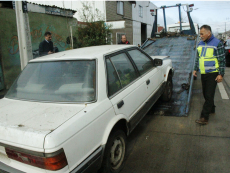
x=91, y=164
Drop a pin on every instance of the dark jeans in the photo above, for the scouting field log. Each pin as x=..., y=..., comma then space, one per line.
x=208, y=87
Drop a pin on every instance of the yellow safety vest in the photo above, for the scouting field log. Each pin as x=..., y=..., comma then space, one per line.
x=208, y=62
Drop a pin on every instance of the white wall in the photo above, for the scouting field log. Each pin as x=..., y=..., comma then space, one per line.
x=74, y=5
x=136, y=33
x=36, y=8
x=147, y=18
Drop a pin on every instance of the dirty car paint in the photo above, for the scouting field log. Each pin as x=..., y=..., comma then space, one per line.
x=27, y=123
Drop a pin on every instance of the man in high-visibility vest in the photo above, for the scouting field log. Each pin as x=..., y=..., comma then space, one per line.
x=210, y=61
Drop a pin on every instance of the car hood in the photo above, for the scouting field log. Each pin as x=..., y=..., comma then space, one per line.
x=25, y=123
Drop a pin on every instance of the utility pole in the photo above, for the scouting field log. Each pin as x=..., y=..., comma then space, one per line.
x=225, y=32
x=23, y=30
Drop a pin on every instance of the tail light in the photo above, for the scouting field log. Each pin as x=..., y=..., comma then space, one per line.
x=228, y=50
x=54, y=161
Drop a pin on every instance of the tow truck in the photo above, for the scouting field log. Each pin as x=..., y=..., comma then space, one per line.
x=180, y=47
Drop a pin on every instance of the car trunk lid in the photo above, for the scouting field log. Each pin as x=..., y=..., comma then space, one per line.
x=25, y=123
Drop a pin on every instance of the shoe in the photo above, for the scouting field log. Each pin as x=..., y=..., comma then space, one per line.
x=202, y=121
x=212, y=113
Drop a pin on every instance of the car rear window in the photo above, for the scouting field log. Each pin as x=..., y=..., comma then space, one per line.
x=62, y=81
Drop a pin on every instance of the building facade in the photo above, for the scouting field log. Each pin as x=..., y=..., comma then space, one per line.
x=130, y=18
x=40, y=21
x=142, y=21
x=119, y=16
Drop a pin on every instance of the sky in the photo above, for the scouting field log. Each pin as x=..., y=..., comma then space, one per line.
x=213, y=13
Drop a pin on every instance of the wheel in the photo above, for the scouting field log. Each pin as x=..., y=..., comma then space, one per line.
x=167, y=94
x=114, y=154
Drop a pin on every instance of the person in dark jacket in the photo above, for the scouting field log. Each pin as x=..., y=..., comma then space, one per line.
x=46, y=46
x=124, y=40
x=210, y=61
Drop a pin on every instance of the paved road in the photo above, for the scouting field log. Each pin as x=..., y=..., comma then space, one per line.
x=178, y=144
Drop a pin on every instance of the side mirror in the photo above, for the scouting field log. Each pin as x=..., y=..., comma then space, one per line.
x=158, y=62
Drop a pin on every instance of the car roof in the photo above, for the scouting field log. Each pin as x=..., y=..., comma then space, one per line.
x=83, y=53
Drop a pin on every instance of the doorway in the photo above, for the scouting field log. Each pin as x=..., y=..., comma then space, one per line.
x=143, y=32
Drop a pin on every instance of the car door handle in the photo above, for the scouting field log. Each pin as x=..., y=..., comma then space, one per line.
x=148, y=82
x=120, y=104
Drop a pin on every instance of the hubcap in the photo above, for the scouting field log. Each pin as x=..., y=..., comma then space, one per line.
x=117, y=153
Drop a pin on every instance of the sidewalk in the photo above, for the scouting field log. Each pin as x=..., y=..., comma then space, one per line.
x=178, y=144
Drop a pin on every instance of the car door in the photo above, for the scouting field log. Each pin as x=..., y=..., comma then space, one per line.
x=126, y=89
x=150, y=74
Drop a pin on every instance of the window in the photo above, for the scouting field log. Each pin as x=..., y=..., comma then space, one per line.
x=140, y=11
x=124, y=68
x=119, y=37
x=142, y=62
x=61, y=81
x=114, y=84
x=109, y=39
x=120, y=7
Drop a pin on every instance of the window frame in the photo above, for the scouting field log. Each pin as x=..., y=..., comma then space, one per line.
x=147, y=57
x=107, y=76
x=109, y=37
x=123, y=10
x=133, y=64
x=119, y=33
x=109, y=56
x=65, y=102
x=140, y=11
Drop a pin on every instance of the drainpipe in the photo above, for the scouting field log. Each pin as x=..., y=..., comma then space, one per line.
x=23, y=30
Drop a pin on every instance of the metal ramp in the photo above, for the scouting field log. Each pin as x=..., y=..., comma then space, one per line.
x=182, y=52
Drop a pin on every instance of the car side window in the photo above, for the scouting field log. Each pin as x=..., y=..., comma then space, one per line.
x=114, y=84
x=124, y=68
x=142, y=62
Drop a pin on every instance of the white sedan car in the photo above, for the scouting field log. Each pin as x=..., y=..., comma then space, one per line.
x=72, y=111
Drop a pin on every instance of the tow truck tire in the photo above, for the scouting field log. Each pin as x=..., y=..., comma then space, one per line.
x=114, y=154
x=167, y=94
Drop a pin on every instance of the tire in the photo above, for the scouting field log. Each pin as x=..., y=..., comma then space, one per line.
x=115, y=152
x=167, y=94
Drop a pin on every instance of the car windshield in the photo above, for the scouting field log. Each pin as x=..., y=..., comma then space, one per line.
x=62, y=81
